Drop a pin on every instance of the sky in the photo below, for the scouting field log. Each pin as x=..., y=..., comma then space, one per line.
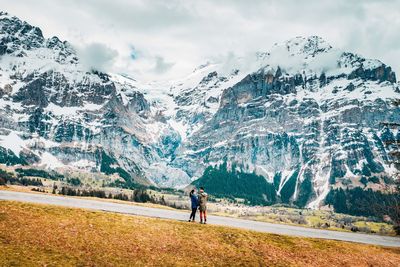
x=160, y=40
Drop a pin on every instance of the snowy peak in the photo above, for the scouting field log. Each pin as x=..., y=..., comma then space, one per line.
x=313, y=56
x=303, y=62
x=371, y=69
x=19, y=38
x=300, y=53
x=309, y=46
x=16, y=35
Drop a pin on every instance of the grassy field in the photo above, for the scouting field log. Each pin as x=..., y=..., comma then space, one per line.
x=283, y=215
x=323, y=219
x=42, y=235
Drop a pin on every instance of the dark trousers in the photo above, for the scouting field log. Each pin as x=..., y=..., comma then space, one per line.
x=193, y=214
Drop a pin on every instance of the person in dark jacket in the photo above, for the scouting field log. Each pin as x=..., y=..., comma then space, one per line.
x=195, y=203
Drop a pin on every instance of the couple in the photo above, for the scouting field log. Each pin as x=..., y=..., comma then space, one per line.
x=199, y=201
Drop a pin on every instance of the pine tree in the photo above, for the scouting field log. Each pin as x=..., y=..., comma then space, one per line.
x=340, y=202
x=163, y=202
x=63, y=191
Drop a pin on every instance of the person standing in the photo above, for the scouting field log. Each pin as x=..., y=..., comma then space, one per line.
x=195, y=204
x=203, y=205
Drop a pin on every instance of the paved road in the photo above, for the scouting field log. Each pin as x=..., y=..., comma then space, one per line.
x=216, y=220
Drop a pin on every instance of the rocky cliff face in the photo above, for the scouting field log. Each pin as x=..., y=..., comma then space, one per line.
x=57, y=114
x=306, y=124
x=304, y=116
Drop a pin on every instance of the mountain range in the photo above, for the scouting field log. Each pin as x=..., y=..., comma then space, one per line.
x=286, y=125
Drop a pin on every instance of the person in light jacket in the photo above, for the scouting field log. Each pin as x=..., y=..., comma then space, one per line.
x=203, y=205
x=195, y=204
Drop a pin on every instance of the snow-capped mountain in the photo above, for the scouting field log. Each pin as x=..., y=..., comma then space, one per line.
x=305, y=116
x=54, y=113
x=308, y=120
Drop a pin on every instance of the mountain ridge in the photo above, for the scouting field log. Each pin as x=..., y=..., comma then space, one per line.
x=305, y=116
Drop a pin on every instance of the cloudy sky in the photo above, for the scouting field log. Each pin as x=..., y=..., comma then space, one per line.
x=155, y=39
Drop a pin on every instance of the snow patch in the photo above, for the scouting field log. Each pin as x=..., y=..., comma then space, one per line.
x=12, y=142
x=71, y=111
x=49, y=161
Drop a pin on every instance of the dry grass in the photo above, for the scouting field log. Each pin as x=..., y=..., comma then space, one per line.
x=313, y=218
x=38, y=235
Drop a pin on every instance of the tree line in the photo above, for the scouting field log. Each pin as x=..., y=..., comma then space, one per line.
x=138, y=195
x=370, y=203
x=9, y=178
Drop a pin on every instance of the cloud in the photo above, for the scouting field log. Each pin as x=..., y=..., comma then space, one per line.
x=190, y=32
x=162, y=66
x=232, y=61
x=97, y=56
